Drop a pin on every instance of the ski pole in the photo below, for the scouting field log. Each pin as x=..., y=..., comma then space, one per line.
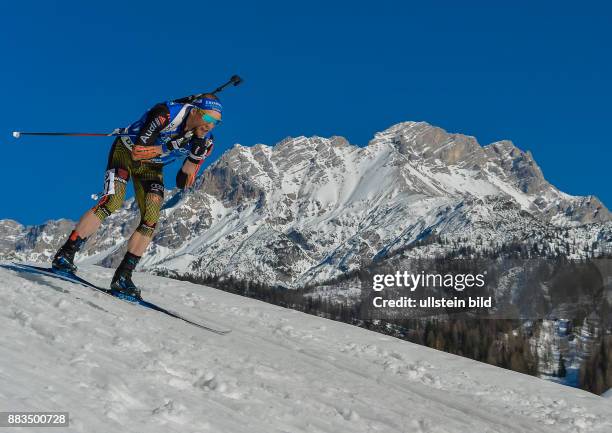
x=18, y=134
x=235, y=80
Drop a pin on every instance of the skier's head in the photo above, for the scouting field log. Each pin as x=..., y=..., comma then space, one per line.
x=210, y=102
x=206, y=114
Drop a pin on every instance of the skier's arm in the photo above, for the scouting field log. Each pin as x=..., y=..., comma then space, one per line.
x=200, y=149
x=144, y=144
x=185, y=177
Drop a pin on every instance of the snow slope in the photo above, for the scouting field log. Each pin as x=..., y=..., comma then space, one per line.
x=117, y=367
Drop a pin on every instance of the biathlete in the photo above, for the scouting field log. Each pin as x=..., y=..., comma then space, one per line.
x=168, y=130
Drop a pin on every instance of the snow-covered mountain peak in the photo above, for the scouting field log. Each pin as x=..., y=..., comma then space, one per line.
x=422, y=141
x=309, y=208
x=518, y=164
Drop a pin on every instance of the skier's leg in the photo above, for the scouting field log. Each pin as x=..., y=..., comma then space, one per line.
x=111, y=201
x=88, y=224
x=117, y=176
x=149, y=196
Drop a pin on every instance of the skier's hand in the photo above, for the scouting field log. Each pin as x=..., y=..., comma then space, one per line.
x=190, y=180
x=187, y=174
x=145, y=152
x=179, y=142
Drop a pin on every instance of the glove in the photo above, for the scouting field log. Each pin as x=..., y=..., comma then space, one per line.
x=191, y=179
x=186, y=180
x=178, y=142
x=145, y=152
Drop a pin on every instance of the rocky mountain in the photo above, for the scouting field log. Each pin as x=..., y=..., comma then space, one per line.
x=309, y=209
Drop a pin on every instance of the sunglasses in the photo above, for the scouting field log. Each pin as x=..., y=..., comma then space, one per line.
x=207, y=117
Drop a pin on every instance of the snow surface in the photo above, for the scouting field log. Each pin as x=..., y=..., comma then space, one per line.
x=118, y=367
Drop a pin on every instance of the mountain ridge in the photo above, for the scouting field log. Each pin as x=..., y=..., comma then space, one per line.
x=310, y=208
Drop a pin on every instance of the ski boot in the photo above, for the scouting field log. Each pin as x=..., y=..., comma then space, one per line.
x=63, y=261
x=122, y=285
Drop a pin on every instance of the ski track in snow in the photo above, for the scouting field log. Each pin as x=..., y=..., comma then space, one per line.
x=118, y=367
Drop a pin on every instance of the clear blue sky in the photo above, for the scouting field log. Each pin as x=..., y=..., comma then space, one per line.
x=539, y=75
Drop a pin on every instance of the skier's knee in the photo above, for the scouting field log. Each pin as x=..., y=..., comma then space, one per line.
x=150, y=216
x=146, y=228
x=114, y=194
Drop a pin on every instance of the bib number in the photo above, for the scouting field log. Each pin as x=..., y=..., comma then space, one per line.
x=109, y=182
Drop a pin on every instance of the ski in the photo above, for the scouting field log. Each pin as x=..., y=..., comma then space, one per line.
x=66, y=276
